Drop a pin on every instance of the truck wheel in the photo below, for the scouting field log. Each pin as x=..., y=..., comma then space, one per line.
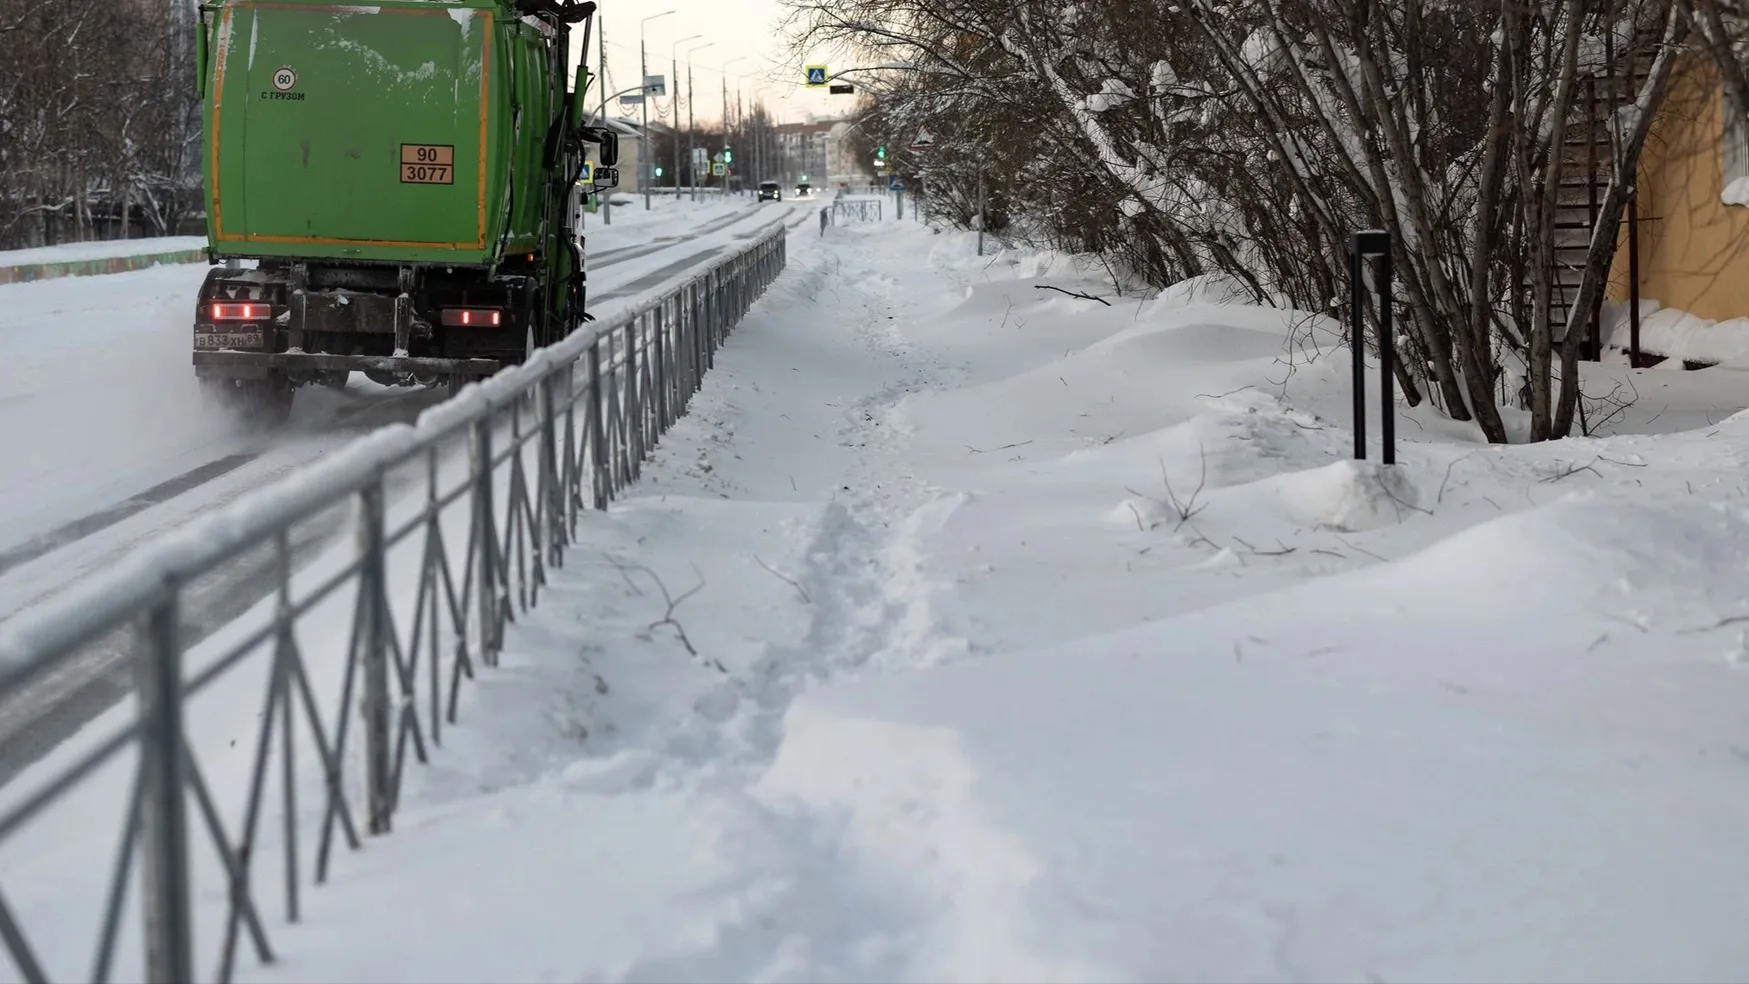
x=269, y=401
x=259, y=402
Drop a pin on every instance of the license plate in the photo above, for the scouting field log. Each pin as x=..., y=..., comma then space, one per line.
x=215, y=340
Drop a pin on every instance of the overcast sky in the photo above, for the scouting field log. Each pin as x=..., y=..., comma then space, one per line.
x=743, y=35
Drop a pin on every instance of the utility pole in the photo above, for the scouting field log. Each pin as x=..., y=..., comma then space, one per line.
x=691, y=171
x=645, y=166
x=674, y=104
x=729, y=141
x=691, y=132
x=644, y=129
x=601, y=48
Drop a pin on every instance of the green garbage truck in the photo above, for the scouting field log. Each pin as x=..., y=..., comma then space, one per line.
x=391, y=188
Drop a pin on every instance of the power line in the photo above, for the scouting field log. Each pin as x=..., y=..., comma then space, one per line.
x=713, y=69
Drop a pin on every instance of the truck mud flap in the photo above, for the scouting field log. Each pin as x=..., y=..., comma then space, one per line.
x=248, y=364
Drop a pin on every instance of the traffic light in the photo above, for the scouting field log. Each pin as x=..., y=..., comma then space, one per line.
x=881, y=152
x=728, y=156
x=658, y=170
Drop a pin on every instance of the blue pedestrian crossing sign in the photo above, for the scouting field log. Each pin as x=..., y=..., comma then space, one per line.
x=816, y=76
x=587, y=175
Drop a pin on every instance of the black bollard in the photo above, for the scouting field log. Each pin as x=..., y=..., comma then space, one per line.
x=1374, y=244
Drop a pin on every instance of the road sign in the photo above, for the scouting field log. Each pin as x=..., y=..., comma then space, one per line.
x=816, y=76
x=588, y=174
x=842, y=88
x=700, y=159
x=656, y=85
x=631, y=99
x=894, y=184
x=924, y=140
x=717, y=170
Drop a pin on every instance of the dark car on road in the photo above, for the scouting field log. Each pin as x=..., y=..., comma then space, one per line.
x=770, y=190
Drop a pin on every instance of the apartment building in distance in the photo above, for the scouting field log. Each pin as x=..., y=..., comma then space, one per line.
x=818, y=149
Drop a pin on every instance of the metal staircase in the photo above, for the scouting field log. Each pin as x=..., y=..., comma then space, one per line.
x=1589, y=154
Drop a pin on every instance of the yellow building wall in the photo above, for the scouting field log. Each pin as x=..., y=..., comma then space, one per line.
x=1694, y=249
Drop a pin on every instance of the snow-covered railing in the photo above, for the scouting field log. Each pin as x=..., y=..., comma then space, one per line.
x=858, y=209
x=415, y=605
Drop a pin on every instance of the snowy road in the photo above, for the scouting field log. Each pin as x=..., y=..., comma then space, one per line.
x=105, y=442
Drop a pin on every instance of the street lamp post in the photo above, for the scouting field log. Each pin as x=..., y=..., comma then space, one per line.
x=691, y=131
x=674, y=103
x=644, y=173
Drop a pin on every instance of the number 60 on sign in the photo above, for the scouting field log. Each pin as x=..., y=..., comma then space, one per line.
x=427, y=164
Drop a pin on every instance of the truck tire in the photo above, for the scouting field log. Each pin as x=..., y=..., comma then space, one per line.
x=262, y=403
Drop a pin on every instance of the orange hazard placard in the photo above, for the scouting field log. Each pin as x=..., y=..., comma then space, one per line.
x=427, y=164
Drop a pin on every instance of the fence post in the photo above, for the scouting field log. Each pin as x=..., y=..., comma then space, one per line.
x=551, y=499
x=598, y=425
x=1375, y=244
x=169, y=928
x=486, y=556
x=374, y=652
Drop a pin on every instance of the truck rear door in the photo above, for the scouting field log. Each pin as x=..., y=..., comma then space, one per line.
x=350, y=129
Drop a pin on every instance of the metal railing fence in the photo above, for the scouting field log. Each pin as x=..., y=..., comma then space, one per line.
x=508, y=467
x=856, y=209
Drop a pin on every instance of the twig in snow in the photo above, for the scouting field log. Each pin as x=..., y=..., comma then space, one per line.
x=1440, y=498
x=1624, y=464
x=784, y=578
x=1085, y=297
x=673, y=603
x=1283, y=552
x=1571, y=470
x=1637, y=627
x=1189, y=508
x=1017, y=444
x=1363, y=550
x=1138, y=514
x=1721, y=623
x=1222, y=396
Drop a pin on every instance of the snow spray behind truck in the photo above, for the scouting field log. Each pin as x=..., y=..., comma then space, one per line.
x=404, y=175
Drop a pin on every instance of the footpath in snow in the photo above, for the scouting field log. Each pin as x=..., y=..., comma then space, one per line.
x=968, y=631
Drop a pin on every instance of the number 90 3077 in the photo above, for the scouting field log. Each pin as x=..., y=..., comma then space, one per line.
x=427, y=164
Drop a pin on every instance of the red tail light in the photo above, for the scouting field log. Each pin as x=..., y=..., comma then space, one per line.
x=473, y=317
x=242, y=312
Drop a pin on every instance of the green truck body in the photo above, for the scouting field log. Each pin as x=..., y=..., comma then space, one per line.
x=386, y=166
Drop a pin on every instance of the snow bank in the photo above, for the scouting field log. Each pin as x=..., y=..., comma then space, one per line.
x=72, y=252
x=1678, y=335
x=1435, y=769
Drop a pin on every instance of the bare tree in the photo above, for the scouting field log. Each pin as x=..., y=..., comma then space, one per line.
x=97, y=114
x=1252, y=137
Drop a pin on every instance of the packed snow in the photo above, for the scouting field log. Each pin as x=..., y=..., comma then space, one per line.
x=1040, y=639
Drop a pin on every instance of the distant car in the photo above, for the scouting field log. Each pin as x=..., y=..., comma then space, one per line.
x=804, y=189
x=771, y=190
